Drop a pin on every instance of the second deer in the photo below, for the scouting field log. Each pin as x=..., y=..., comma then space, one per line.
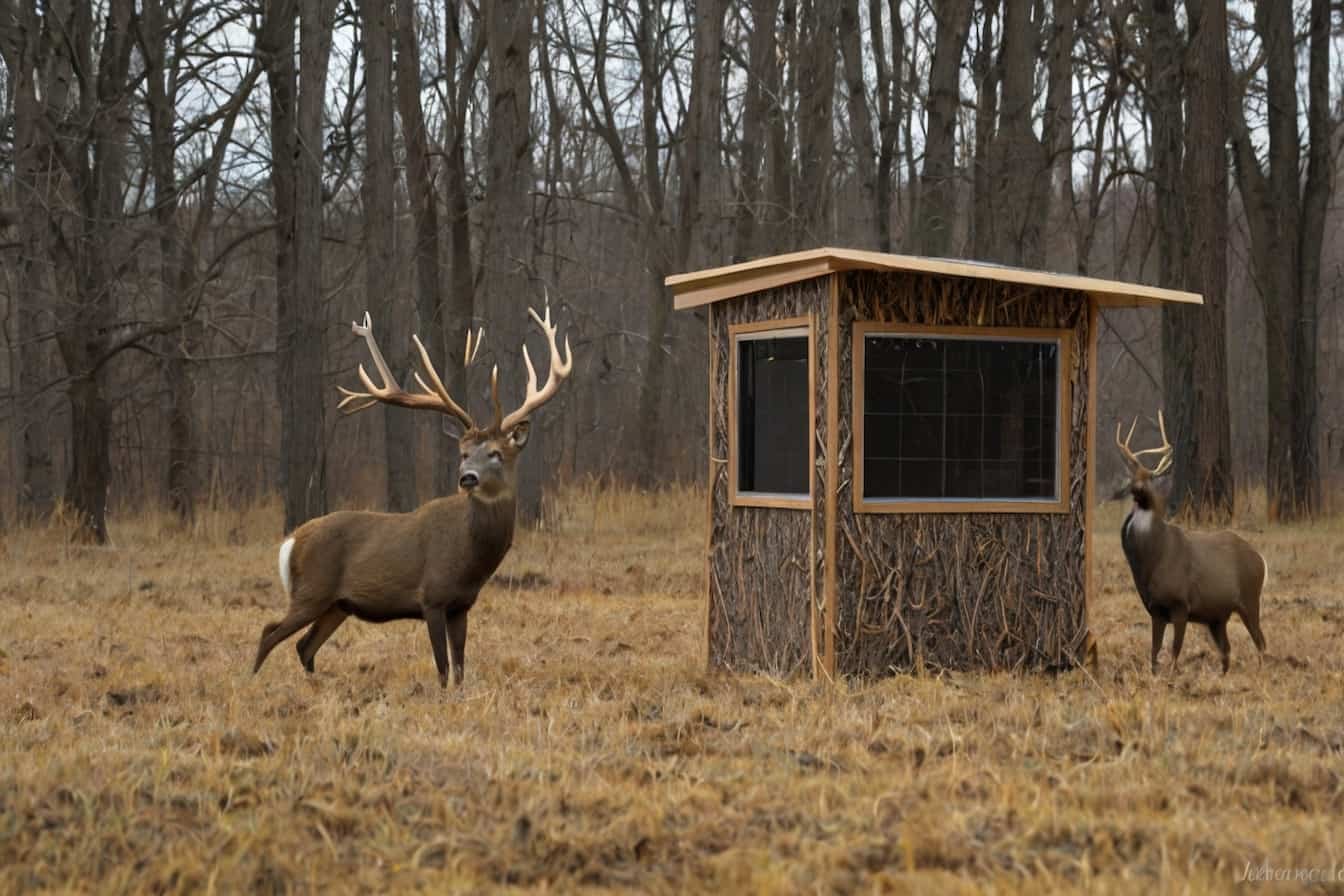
x=1182, y=576
x=429, y=564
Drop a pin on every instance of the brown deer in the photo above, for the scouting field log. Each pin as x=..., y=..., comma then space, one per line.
x=429, y=564
x=1182, y=576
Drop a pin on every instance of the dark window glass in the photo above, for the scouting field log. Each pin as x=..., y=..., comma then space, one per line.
x=969, y=419
x=772, y=415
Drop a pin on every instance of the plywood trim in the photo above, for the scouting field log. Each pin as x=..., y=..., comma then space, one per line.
x=1063, y=425
x=702, y=287
x=715, y=290
x=759, y=499
x=831, y=519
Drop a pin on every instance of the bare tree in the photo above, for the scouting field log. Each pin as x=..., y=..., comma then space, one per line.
x=1286, y=214
x=380, y=238
x=1194, y=339
x=816, y=131
x=421, y=194
x=938, y=200
x=36, y=174
x=296, y=181
x=762, y=93
x=507, y=285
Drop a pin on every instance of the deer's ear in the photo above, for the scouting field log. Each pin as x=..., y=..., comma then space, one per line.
x=454, y=428
x=518, y=435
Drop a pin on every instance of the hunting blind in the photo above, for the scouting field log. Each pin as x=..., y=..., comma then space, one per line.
x=901, y=456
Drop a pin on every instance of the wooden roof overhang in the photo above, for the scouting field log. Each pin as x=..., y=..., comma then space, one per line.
x=696, y=288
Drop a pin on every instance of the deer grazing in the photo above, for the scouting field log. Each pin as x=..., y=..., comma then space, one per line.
x=429, y=564
x=1181, y=576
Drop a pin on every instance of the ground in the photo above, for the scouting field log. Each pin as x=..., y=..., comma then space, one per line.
x=589, y=747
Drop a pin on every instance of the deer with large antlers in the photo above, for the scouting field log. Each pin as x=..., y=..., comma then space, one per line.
x=1181, y=576
x=429, y=564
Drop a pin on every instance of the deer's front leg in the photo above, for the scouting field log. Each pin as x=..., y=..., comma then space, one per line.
x=1178, y=617
x=1159, y=629
x=437, y=621
x=457, y=642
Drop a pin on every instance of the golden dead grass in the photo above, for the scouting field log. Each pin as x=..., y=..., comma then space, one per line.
x=589, y=748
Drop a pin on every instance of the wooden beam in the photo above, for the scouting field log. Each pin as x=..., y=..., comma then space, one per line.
x=709, y=498
x=1089, y=558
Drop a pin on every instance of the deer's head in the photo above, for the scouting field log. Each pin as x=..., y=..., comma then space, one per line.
x=1143, y=486
x=488, y=454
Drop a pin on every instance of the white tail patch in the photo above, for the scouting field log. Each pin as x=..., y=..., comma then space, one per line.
x=1265, y=563
x=286, y=549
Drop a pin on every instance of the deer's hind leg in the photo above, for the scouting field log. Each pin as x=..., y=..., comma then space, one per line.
x=321, y=630
x=276, y=632
x=1218, y=631
x=1252, y=622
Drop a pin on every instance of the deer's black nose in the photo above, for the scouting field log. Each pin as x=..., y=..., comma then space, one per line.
x=469, y=480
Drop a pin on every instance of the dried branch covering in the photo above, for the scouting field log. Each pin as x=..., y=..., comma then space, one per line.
x=759, y=577
x=985, y=591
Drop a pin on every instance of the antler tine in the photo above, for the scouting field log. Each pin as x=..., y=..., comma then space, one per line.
x=1129, y=456
x=436, y=399
x=439, y=390
x=560, y=368
x=1132, y=457
x=473, y=349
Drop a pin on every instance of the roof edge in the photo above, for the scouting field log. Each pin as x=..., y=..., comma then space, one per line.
x=696, y=288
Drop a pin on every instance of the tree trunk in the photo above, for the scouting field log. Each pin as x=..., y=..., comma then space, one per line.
x=987, y=72
x=1021, y=169
x=458, y=306
x=1181, y=327
x=162, y=95
x=860, y=116
x=763, y=60
x=380, y=252
x=296, y=181
x=816, y=132
x=1316, y=192
x=700, y=149
x=506, y=255
x=1209, y=486
x=778, y=165
x=420, y=192
x=1285, y=220
x=889, y=93
x=85, y=336
x=936, y=222
x=34, y=176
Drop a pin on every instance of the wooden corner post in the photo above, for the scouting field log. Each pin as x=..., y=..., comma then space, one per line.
x=830, y=517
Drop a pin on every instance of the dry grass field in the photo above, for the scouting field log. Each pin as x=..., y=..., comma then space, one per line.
x=589, y=748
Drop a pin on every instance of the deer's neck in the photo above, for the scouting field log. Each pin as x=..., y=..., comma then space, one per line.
x=490, y=523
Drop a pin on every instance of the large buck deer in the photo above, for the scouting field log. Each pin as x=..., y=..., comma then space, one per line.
x=429, y=564
x=1201, y=577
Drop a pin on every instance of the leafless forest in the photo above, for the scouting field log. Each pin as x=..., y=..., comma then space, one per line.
x=197, y=198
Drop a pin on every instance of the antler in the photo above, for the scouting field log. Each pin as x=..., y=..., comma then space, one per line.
x=558, y=373
x=435, y=396
x=1132, y=457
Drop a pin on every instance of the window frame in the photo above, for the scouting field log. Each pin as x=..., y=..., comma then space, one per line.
x=1064, y=421
x=766, y=329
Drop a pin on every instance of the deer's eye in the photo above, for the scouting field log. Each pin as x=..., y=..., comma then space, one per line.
x=495, y=455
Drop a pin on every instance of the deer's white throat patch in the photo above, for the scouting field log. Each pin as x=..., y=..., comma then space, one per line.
x=1140, y=521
